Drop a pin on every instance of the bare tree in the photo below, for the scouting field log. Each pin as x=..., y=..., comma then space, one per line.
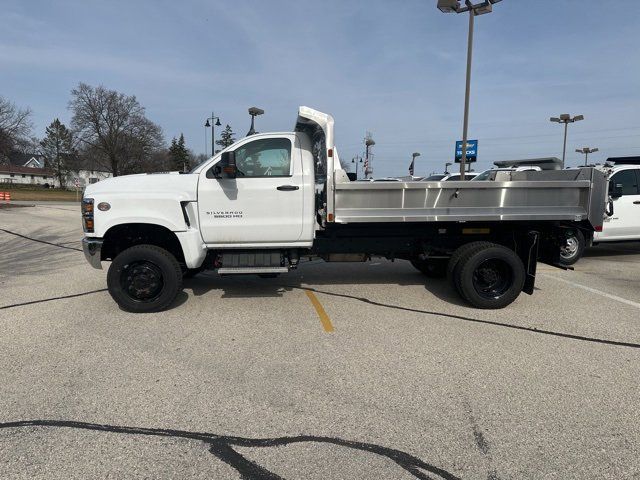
x=15, y=126
x=114, y=126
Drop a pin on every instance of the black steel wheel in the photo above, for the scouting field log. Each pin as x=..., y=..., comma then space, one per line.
x=141, y=280
x=144, y=278
x=454, y=261
x=490, y=276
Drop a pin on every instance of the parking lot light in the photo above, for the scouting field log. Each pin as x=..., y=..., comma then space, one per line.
x=566, y=119
x=586, y=151
x=453, y=6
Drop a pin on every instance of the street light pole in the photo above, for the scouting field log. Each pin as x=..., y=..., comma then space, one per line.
x=467, y=94
x=566, y=119
x=412, y=167
x=453, y=6
x=215, y=122
x=586, y=151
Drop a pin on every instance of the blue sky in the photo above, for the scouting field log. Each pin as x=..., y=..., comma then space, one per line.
x=395, y=68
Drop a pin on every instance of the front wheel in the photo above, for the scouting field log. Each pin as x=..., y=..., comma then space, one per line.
x=144, y=278
x=572, y=251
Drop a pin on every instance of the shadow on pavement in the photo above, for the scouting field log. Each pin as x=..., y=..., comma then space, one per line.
x=613, y=249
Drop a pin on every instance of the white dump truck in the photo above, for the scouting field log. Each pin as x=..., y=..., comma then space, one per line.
x=270, y=199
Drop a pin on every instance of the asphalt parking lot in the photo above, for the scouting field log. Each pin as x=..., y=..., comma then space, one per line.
x=335, y=371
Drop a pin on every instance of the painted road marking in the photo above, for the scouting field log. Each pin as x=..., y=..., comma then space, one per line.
x=593, y=290
x=324, y=318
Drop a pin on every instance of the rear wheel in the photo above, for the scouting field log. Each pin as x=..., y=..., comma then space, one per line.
x=489, y=276
x=432, y=268
x=573, y=249
x=457, y=255
x=144, y=278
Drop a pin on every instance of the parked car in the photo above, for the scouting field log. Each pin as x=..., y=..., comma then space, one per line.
x=622, y=222
x=448, y=177
x=502, y=174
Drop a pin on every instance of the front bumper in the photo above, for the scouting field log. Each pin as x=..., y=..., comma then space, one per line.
x=92, y=248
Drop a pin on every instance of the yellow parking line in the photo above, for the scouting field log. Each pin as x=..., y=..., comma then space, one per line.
x=324, y=318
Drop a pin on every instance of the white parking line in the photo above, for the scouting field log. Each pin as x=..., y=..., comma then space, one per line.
x=593, y=290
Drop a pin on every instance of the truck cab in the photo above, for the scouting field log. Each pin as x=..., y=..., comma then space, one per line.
x=624, y=221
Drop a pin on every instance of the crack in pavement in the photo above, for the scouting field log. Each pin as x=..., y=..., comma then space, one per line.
x=40, y=241
x=73, y=295
x=475, y=320
x=222, y=447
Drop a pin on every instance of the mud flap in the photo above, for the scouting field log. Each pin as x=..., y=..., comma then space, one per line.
x=528, y=253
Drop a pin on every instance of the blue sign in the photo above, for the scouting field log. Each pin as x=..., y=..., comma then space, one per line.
x=472, y=150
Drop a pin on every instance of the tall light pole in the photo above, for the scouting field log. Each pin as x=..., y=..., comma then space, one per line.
x=586, y=151
x=453, y=6
x=566, y=119
x=413, y=162
x=446, y=166
x=357, y=159
x=254, y=112
x=215, y=122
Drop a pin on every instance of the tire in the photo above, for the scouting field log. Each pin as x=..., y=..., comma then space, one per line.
x=574, y=249
x=455, y=259
x=489, y=276
x=431, y=268
x=144, y=278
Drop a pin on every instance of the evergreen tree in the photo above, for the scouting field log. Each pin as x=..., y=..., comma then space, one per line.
x=179, y=155
x=226, y=137
x=57, y=147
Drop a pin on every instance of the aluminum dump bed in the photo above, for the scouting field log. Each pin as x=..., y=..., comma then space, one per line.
x=566, y=195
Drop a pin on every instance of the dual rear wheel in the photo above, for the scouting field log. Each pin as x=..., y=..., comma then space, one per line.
x=485, y=274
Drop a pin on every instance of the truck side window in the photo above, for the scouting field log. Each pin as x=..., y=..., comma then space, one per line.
x=628, y=180
x=267, y=157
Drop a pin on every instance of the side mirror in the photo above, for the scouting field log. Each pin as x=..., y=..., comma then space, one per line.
x=228, y=164
x=615, y=190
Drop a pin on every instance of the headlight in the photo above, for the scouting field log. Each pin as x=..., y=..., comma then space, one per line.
x=87, y=215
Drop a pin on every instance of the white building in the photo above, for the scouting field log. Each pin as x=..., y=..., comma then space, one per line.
x=25, y=169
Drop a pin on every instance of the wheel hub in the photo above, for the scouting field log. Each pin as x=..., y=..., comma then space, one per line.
x=570, y=248
x=142, y=281
x=492, y=278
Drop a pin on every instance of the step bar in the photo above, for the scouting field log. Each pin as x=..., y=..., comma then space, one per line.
x=251, y=270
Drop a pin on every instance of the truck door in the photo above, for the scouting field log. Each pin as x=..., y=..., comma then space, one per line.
x=263, y=204
x=625, y=222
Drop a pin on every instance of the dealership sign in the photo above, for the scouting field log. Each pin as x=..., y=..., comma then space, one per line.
x=472, y=150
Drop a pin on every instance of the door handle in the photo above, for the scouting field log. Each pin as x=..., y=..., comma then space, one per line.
x=637, y=202
x=287, y=188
